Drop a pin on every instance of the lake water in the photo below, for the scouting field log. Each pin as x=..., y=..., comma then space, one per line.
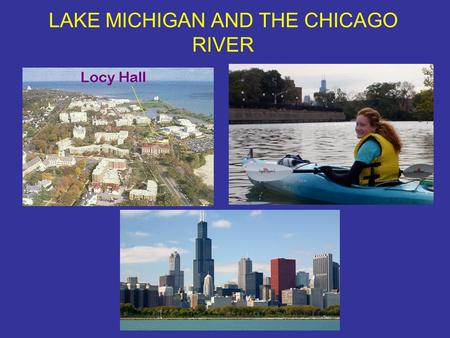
x=325, y=143
x=196, y=96
x=230, y=325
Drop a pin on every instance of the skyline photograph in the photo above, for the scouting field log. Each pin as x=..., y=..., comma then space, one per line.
x=350, y=78
x=148, y=238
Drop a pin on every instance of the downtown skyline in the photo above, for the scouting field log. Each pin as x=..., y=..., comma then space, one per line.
x=147, y=238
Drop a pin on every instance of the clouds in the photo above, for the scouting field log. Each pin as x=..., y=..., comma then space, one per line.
x=222, y=224
x=171, y=213
x=138, y=234
x=255, y=213
x=234, y=267
x=158, y=213
x=288, y=235
x=147, y=254
x=226, y=268
x=134, y=213
x=261, y=267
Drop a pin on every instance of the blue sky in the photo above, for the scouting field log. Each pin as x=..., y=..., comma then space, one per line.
x=147, y=238
x=155, y=74
x=351, y=78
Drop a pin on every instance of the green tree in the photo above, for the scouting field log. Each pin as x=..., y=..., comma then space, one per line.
x=341, y=98
x=429, y=77
x=255, y=86
x=424, y=104
x=424, y=101
x=333, y=310
x=127, y=310
x=390, y=99
x=327, y=99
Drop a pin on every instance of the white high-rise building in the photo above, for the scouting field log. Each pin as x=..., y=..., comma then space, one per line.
x=208, y=287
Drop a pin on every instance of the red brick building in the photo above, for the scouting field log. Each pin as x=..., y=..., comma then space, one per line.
x=282, y=273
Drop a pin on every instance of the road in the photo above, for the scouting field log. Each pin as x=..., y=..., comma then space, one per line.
x=170, y=183
x=173, y=187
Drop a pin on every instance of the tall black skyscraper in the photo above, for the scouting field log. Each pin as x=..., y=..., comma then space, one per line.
x=253, y=281
x=336, y=270
x=203, y=262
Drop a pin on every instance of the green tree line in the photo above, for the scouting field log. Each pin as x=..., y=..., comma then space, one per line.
x=128, y=310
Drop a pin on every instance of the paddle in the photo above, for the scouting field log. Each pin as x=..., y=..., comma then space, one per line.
x=419, y=171
x=268, y=172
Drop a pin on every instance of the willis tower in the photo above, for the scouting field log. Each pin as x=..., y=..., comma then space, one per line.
x=203, y=263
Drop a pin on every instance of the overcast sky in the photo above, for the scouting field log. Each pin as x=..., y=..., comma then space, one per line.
x=351, y=78
x=155, y=74
x=147, y=238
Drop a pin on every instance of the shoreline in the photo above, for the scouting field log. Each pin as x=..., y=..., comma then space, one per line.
x=206, y=171
x=86, y=92
x=235, y=318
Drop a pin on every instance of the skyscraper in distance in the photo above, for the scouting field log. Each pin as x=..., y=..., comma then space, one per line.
x=282, y=275
x=174, y=270
x=203, y=262
x=323, y=271
x=302, y=279
x=323, y=86
x=336, y=275
x=253, y=283
x=245, y=267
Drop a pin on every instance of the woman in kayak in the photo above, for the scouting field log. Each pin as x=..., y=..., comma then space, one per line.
x=376, y=154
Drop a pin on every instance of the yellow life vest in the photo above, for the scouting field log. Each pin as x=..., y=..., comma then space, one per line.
x=383, y=168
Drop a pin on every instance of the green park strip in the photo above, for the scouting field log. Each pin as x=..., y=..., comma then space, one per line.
x=127, y=311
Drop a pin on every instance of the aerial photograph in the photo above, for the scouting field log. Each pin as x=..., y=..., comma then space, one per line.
x=331, y=134
x=118, y=137
x=229, y=270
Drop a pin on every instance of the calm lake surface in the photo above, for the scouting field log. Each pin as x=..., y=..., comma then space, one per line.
x=196, y=96
x=230, y=325
x=325, y=143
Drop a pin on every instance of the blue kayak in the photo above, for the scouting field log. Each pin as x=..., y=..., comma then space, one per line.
x=306, y=182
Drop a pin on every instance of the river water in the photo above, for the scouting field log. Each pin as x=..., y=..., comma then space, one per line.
x=325, y=143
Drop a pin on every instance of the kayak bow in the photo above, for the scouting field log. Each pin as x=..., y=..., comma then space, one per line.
x=306, y=182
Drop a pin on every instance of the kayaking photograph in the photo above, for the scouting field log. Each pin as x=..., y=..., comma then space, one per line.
x=331, y=134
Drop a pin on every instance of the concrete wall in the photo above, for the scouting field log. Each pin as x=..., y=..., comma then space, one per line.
x=248, y=116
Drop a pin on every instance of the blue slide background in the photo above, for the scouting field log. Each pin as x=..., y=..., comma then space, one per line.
x=60, y=266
